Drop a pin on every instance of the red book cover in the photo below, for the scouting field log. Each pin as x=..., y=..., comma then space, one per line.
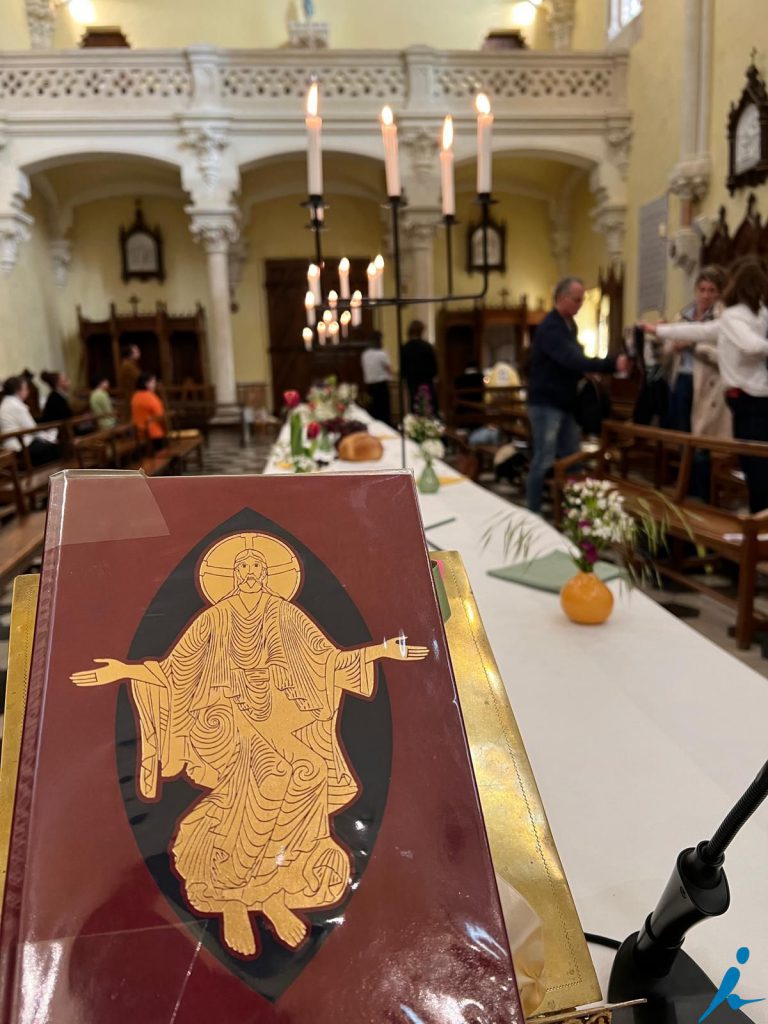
x=245, y=792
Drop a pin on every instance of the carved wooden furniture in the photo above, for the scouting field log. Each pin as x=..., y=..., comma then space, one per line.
x=173, y=346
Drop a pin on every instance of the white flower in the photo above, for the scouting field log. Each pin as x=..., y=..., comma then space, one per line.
x=433, y=448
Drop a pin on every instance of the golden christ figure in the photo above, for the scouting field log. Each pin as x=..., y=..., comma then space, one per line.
x=246, y=705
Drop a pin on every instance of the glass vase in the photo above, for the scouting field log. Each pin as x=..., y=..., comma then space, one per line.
x=428, y=482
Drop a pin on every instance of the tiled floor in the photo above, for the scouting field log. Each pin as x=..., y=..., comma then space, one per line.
x=224, y=455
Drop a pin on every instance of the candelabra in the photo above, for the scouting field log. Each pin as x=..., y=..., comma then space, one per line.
x=329, y=313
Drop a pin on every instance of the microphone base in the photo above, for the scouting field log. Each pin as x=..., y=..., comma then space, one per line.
x=680, y=997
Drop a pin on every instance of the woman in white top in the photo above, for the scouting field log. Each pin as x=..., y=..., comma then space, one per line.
x=742, y=351
x=14, y=415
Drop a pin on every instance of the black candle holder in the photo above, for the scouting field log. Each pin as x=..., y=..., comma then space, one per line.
x=398, y=301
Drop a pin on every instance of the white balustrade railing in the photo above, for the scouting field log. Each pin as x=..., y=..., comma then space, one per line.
x=417, y=81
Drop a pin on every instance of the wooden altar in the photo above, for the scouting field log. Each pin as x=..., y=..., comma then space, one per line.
x=173, y=345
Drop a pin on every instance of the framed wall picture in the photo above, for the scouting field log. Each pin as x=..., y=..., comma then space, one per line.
x=748, y=135
x=141, y=250
x=497, y=247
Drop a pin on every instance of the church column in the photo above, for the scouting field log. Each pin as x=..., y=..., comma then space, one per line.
x=216, y=231
x=418, y=245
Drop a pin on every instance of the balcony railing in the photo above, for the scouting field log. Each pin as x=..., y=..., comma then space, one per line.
x=262, y=82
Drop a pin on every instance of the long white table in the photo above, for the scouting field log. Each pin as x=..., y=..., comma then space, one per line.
x=641, y=733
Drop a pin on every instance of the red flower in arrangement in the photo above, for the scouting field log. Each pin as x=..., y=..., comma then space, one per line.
x=291, y=399
x=313, y=430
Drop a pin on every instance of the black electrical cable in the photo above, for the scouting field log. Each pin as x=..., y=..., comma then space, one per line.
x=713, y=851
x=602, y=940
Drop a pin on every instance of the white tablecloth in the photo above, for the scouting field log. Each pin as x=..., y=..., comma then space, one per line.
x=641, y=733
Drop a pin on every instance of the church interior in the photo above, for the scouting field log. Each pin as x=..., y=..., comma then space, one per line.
x=165, y=183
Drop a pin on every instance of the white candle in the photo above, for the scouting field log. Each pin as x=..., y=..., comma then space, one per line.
x=391, y=157
x=314, y=151
x=333, y=299
x=370, y=273
x=321, y=329
x=333, y=333
x=309, y=305
x=313, y=282
x=327, y=317
x=344, y=277
x=355, y=308
x=484, y=127
x=378, y=263
x=307, y=336
x=446, y=169
x=344, y=319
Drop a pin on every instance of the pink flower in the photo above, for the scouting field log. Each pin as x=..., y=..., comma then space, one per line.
x=291, y=399
x=313, y=430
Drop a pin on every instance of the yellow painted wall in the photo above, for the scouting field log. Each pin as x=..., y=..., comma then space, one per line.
x=590, y=24
x=29, y=324
x=655, y=77
x=241, y=23
x=531, y=270
x=14, y=34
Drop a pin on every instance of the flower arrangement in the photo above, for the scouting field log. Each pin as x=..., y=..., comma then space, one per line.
x=594, y=520
x=330, y=400
x=423, y=428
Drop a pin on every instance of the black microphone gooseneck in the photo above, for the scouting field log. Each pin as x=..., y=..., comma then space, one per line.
x=651, y=963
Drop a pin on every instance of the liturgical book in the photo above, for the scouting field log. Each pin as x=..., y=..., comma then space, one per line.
x=244, y=790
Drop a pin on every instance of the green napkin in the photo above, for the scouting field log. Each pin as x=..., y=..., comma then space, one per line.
x=550, y=572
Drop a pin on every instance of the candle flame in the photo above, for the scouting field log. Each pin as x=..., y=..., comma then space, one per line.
x=378, y=264
x=344, y=265
x=327, y=316
x=447, y=132
x=307, y=334
x=333, y=296
x=313, y=99
x=370, y=271
x=314, y=270
x=387, y=117
x=346, y=316
x=309, y=301
x=357, y=298
x=321, y=327
x=482, y=103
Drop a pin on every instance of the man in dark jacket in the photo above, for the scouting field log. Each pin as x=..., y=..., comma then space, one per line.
x=557, y=364
x=419, y=365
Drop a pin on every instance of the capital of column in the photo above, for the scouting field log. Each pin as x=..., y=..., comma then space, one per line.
x=618, y=139
x=685, y=249
x=422, y=170
x=216, y=230
x=14, y=222
x=60, y=252
x=208, y=173
x=610, y=219
x=690, y=179
x=41, y=21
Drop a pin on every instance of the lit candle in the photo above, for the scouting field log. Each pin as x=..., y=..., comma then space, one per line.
x=356, y=308
x=344, y=319
x=391, y=158
x=333, y=299
x=484, y=127
x=370, y=273
x=321, y=329
x=313, y=282
x=327, y=317
x=307, y=336
x=378, y=264
x=314, y=152
x=446, y=168
x=333, y=332
x=309, y=305
x=344, y=278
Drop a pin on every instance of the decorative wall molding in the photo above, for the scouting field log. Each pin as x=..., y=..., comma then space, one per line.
x=41, y=21
x=619, y=141
x=15, y=224
x=562, y=18
x=690, y=178
x=609, y=218
x=309, y=35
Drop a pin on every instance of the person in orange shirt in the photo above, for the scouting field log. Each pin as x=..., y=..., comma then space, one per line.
x=148, y=411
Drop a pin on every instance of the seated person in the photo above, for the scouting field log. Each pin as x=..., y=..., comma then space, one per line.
x=471, y=378
x=100, y=403
x=14, y=415
x=57, y=405
x=148, y=411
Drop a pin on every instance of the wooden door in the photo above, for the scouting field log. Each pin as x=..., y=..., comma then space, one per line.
x=293, y=368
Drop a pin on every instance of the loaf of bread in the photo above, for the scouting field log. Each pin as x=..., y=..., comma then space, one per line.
x=360, y=448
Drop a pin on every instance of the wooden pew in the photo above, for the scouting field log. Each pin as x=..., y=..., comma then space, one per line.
x=21, y=539
x=658, y=485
